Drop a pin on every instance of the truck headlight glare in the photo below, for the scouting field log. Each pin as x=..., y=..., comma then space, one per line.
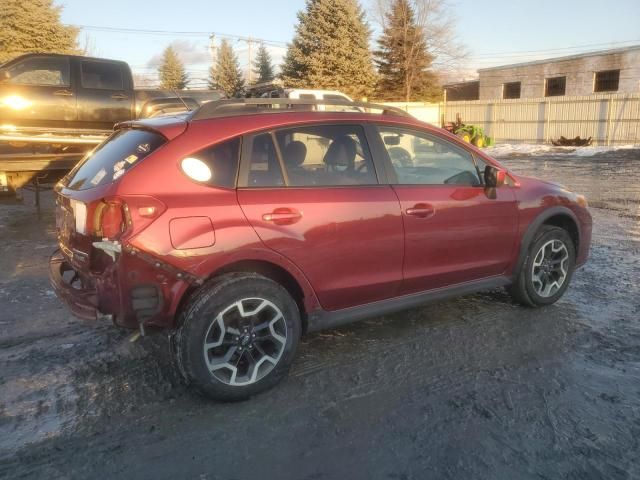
x=16, y=102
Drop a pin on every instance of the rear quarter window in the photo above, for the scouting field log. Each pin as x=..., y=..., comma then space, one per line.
x=113, y=158
x=221, y=160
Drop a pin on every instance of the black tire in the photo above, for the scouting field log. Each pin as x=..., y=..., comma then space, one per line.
x=523, y=289
x=199, y=322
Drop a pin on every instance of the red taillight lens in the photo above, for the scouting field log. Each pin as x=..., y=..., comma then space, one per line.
x=110, y=220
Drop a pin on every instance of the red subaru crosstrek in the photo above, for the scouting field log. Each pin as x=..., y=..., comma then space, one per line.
x=247, y=223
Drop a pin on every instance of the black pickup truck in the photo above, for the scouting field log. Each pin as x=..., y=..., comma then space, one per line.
x=54, y=108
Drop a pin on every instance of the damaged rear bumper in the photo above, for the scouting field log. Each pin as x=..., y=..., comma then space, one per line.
x=125, y=286
x=79, y=297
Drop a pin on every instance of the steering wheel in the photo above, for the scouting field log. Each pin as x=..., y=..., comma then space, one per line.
x=400, y=157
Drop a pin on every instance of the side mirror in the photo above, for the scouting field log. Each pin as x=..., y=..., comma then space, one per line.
x=494, y=177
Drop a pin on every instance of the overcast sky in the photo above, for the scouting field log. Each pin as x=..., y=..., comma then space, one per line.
x=495, y=31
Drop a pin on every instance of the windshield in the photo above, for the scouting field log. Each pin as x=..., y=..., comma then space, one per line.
x=113, y=158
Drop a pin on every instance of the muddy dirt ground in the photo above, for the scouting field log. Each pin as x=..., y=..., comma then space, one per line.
x=470, y=388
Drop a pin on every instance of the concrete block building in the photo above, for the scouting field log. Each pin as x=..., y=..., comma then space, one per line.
x=609, y=71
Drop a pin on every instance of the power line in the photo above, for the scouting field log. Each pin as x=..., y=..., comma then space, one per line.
x=139, y=31
x=505, y=54
x=551, y=50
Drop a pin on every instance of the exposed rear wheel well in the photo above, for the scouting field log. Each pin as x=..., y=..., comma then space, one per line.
x=275, y=273
x=566, y=223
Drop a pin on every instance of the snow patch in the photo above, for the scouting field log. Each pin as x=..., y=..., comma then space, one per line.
x=509, y=150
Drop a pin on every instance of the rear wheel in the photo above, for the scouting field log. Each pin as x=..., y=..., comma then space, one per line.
x=238, y=336
x=547, y=269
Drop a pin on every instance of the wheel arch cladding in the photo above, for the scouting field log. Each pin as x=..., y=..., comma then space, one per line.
x=559, y=217
x=267, y=269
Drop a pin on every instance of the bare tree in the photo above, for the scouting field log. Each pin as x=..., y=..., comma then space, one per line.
x=438, y=23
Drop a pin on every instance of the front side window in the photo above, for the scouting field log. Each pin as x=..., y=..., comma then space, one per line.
x=47, y=71
x=102, y=75
x=308, y=156
x=423, y=159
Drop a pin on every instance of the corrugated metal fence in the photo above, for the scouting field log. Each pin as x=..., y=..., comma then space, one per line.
x=608, y=119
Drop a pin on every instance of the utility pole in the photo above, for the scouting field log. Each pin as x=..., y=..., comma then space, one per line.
x=212, y=47
x=250, y=44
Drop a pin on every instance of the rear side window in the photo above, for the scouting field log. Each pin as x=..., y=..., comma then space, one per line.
x=264, y=167
x=110, y=160
x=102, y=75
x=309, y=156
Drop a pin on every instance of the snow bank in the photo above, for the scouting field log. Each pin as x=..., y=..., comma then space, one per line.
x=510, y=150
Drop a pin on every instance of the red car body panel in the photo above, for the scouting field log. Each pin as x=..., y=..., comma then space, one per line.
x=459, y=241
x=350, y=246
x=357, y=231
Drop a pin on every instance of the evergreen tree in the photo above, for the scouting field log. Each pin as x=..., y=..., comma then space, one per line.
x=330, y=49
x=263, y=66
x=33, y=26
x=171, y=70
x=226, y=75
x=402, y=58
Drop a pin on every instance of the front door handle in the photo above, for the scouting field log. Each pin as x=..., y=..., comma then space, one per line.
x=63, y=93
x=119, y=96
x=421, y=210
x=282, y=216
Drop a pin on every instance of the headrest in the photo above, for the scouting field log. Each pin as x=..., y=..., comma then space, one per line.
x=342, y=151
x=294, y=154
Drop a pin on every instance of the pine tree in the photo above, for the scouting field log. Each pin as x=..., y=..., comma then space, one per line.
x=33, y=26
x=330, y=49
x=402, y=58
x=171, y=71
x=226, y=75
x=263, y=66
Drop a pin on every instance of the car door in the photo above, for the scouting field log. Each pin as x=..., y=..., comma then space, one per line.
x=312, y=195
x=104, y=94
x=456, y=230
x=38, y=93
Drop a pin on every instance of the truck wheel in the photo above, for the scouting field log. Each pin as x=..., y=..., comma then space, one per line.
x=238, y=336
x=547, y=269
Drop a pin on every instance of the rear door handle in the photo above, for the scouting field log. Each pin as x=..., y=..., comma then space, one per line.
x=63, y=93
x=282, y=216
x=119, y=96
x=421, y=210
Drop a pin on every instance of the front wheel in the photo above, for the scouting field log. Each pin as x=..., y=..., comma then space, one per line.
x=238, y=336
x=547, y=269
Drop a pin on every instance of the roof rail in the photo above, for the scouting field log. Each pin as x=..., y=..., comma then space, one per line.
x=251, y=106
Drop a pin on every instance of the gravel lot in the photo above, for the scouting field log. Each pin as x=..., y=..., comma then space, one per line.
x=470, y=388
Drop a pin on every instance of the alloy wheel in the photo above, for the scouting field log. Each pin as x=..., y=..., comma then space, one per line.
x=550, y=268
x=245, y=341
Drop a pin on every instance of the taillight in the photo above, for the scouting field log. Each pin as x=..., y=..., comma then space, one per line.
x=110, y=219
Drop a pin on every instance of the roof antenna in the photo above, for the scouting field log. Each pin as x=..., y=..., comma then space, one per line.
x=175, y=92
